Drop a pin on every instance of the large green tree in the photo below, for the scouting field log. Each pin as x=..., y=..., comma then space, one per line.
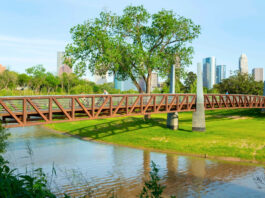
x=38, y=76
x=132, y=45
x=240, y=84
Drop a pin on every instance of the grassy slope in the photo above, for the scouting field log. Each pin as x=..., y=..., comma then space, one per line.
x=233, y=133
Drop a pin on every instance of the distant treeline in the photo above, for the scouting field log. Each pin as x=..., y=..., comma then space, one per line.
x=37, y=81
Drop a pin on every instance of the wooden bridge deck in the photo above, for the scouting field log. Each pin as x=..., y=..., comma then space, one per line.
x=36, y=110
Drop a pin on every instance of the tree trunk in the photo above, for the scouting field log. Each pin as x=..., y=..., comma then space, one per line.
x=136, y=84
x=148, y=90
x=148, y=83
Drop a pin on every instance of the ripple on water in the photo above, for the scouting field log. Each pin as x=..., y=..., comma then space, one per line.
x=87, y=167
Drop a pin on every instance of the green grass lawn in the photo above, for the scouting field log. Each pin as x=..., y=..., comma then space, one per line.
x=229, y=133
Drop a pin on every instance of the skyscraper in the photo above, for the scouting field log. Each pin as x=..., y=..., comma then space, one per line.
x=117, y=83
x=124, y=85
x=61, y=67
x=258, y=74
x=243, y=64
x=64, y=69
x=99, y=80
x=60, y=60
x=154, y=81
x=129, y=85
x=220, y=73
x=209, y=70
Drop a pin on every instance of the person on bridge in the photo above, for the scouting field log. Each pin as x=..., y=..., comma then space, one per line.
x=105, y=92
x=100, y=101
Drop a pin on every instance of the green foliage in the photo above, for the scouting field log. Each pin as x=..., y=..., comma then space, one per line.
x=156, y=90
x=20, y=185
x=23, y=80
x=240, y=84
x=3, y=137
x=132, y=45
x=190, y=83
x=152, y=188
x=213, y=91
x=8, y=79
x=179, y=87
x=39, y=82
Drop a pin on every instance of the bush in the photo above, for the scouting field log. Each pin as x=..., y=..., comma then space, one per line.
x=12, y=185
x=3, y=138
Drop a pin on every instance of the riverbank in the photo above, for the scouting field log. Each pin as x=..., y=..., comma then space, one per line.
x=235, y=135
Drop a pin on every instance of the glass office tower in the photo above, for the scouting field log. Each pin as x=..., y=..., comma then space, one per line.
x=209, y=72
x=220, y=73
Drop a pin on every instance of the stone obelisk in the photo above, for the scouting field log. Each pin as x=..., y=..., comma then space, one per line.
x=198, y=117
x=263, y=110
x=172, y=118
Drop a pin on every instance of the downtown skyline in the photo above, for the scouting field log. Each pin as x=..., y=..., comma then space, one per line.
x=31, y=37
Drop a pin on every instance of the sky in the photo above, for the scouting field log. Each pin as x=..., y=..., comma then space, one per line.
x=32, y=31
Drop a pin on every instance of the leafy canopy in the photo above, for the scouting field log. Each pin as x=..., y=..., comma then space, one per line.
x=132, y=45
x=240, y=84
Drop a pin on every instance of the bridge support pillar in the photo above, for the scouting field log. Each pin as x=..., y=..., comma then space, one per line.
x=263, y=110
x=173, y=121
x=198, y=117
x=172, y=118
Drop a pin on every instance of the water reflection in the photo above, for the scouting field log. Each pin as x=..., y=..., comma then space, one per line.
x=84, y=167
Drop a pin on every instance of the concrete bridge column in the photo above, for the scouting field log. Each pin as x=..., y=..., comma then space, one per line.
x=172, y=118
x=263, y=110
x=198, y=117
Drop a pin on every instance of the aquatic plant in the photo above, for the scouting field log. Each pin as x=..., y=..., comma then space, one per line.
x=152, y=188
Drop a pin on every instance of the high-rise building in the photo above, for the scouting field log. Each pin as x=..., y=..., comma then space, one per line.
x=99, y=80
x=124, y=85
x=220, y=73
x=142, y=84
x=64, y=69
x=209, y=70
x=117, y=83
x=2, y=68
x=258, y=74
x=61, y=67
x=154, y=81
x=243, y=64
x=60, y=60
x=129, y=85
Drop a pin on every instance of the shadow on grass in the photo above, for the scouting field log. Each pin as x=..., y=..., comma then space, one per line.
x=130, y=124
x=185, y=130
x=255, y=113
x=120, y=126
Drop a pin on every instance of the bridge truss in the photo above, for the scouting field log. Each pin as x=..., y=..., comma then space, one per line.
x=37, y=110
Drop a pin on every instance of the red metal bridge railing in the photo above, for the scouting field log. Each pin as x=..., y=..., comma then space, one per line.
x=36, y=110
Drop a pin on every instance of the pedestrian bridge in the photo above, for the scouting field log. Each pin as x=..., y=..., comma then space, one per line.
x=22, y=111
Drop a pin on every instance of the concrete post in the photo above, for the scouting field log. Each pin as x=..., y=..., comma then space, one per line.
x=263, y=110
x=172, y=118
x=198, y=117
